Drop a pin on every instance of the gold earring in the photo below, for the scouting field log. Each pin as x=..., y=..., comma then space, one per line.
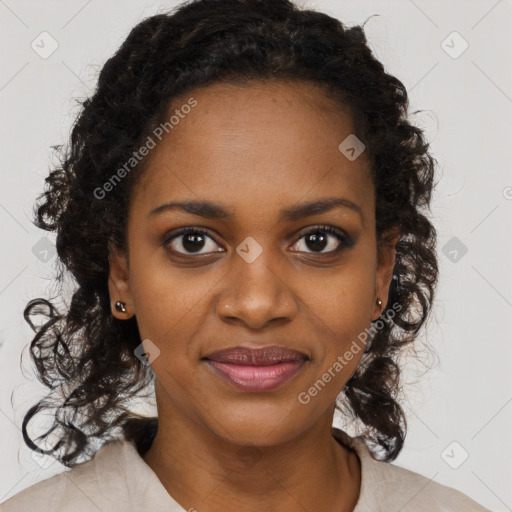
x=120, y=306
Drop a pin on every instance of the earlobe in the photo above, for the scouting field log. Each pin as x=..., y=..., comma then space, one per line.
x=119, y=285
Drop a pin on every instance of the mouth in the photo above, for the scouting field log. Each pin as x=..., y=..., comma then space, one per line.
x=256, y=370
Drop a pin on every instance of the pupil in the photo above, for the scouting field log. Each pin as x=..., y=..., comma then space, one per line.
x=318, y=241
x=193, y=242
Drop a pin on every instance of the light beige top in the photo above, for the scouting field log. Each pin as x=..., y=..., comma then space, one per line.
x=117, y=479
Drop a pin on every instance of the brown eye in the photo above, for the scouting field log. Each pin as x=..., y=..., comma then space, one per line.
x=325, y=237
x=192, y=241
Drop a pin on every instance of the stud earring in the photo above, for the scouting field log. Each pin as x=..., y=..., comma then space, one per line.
x=120, y=306
x=379, y=303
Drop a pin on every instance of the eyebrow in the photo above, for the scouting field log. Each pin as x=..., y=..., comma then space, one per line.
x=211, y=210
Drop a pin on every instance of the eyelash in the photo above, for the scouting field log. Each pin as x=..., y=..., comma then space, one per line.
x=345, y=240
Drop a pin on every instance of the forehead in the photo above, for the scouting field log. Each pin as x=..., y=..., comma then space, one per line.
x=255, y=144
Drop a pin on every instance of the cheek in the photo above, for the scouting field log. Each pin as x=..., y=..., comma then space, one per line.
x=340, y=307
x=169, y=304
x=343, y=298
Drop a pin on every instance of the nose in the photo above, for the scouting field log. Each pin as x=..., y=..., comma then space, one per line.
x=256, y=294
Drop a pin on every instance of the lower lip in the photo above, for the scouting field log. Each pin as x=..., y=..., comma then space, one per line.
x=257, y=378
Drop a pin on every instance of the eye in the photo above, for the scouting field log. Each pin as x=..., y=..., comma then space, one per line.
x=192, y=241
x=318, y=237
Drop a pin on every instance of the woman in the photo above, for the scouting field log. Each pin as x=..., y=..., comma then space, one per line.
x=243, y=207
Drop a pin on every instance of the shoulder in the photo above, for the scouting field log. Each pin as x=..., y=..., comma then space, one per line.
x=90, y=486
x=385, y=486
x=412, y=492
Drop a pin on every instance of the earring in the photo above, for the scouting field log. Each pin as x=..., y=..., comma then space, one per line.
x=120, y=306
x=379, y=303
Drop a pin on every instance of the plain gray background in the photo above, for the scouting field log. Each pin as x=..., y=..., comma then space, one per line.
x=460, y=412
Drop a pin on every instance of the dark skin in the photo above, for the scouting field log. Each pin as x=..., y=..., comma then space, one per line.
x=254, y=150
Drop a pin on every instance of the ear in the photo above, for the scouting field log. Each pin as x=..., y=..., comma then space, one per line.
x=119, y=283
x=385, y=265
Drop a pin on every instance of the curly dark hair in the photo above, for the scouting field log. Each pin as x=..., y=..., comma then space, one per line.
x=85, y=355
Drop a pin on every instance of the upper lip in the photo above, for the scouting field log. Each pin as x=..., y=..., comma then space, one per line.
x=264, y=356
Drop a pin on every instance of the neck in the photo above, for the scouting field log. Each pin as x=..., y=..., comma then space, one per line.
x=203, y=471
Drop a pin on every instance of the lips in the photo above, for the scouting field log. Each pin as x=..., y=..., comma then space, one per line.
x=256, y=357
x=256, y=370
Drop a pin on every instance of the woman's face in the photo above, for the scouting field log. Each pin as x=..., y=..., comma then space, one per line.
x=262, y=275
